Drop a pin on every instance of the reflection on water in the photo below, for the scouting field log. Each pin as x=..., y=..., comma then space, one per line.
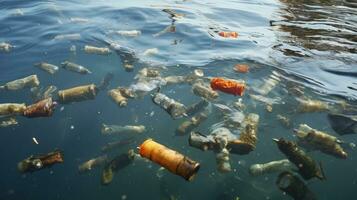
x=318, y=40
x=318, y=25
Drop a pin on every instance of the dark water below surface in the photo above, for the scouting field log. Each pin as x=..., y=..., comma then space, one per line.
x=310, y=45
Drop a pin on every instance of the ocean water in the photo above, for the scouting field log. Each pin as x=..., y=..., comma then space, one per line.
x=309, y=45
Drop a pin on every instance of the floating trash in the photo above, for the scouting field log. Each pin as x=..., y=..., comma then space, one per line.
x=49, y=68
x=127, y=129
x=38, y=162
x=92, y=163
x=5, y=47
x=271, y=167
x=96, y=50
x=74, y=36
x=8, y=122
x=171, y=160
x=77, y=94
x=75, y=67
x=228, y=86
x=27, y=82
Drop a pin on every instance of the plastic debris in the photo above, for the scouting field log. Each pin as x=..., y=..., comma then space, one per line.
x=75, y=67
x=5, y=47
x=228, y=86
x=43, y=108
x=312, y=138
x=8, y=122
x=27, y=82
x=92, y=163
x=204, y=91
x=173, y=161
x=74, y=36
x=241, y=68
x=174, y=108
x=35, y=140
x=129, y=33
x=49, y=68
x=307, y=167
x=271, y=167
x=38, y=162
x=294, y=187
x=12, y=109
x=151, y=52
x=77, y=94
x=118, y=97
x=227, y=34
x=309, y=105
x=128, y=129
x=96, y=50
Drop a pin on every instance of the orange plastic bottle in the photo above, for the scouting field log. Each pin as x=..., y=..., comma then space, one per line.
x=228, y=86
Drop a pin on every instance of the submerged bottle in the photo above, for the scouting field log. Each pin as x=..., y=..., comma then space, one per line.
x=204, y=91
x=228, y=86
x=92, y=163
x=319, y=140
x=294, y=187
x=75, y=67
x=49, y=68
x=118, y=98
x=173, y=161
x=12, y=109
x=307, y=167
x=38, y=162
x=43, y=108
x=119, y=162
x=77, y=94
x=128, y=129
x=271, y=167
x=27, y=82
x=174, y=108
x=96, y=50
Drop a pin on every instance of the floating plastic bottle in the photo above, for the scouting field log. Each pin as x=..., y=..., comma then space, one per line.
x=12, y=109
x=92, y=163
x=96, y=50
x=5, y=47
x=27, y=82
x=248, y=137
x=312, y=138
x=118, y=97
x=173, y=161
x=119, y=162
x=43, y=108
x=77, y=94
x=174, y=108
x=38, y=162
x=49, y=68
x=241, y=68
x=204, y=91
x=228, y=86
x=307, y=167
x=271, y=167
x=227, y=34
x=127, y=129
x=309, y=105
x=8, y=122
x=75, y=67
